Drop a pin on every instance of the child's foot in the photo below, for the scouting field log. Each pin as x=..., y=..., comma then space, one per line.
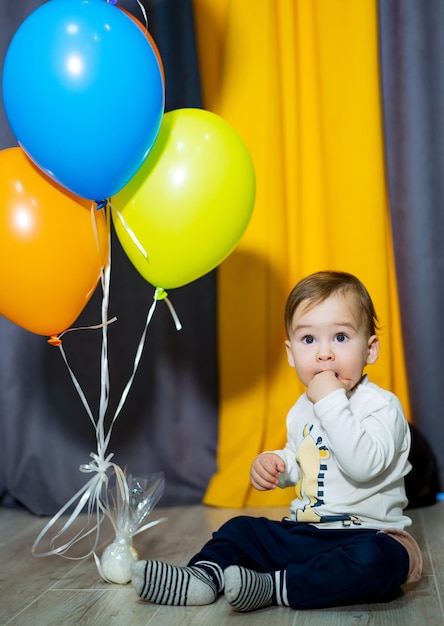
x=247, y=590
x=180, y=586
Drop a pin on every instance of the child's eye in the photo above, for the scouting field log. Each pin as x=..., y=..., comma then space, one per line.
x=308, y=339
x=341, y=337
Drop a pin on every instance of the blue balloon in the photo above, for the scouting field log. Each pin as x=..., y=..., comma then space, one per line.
x=83, y=93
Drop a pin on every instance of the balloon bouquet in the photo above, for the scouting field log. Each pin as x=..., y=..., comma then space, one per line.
x=83, y=90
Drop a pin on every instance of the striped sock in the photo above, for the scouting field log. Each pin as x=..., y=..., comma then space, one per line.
x=179, y=586
x=247, y=590
x=280, y=588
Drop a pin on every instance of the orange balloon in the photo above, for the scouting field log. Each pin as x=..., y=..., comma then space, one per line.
x=50, y=257
x=146, y=32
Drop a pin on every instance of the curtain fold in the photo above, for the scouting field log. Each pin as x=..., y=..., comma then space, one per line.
x=300, y=83
x=412, y=79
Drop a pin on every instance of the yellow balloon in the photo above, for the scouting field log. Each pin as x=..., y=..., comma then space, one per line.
x=189, y=204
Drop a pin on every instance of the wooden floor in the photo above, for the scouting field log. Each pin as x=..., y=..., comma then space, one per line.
x=55, y=591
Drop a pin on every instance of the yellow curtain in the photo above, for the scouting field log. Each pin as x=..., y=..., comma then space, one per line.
x=299, y=81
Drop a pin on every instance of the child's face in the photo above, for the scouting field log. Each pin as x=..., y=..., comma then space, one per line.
x=331, y=336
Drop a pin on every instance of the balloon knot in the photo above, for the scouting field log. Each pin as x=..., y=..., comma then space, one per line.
x=55, y=340
x=101, y=204
x=160, y=294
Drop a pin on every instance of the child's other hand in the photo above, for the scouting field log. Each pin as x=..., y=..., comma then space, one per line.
x=265, y=469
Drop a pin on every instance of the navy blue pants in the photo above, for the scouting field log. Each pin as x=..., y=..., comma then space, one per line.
x=324, y=567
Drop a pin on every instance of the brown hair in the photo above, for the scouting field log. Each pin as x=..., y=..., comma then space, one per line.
x=319, y=286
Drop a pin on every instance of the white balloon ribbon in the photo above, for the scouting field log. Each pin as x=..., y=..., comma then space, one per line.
x=131, y=234
x=142, y=9
x=92, y=497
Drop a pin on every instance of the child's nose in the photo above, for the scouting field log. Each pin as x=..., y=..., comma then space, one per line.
x=325, y=352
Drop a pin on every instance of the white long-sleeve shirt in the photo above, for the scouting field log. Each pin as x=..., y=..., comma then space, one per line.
x=347, y=459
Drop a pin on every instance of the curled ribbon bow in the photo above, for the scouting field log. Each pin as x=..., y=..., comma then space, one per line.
x=91, y=495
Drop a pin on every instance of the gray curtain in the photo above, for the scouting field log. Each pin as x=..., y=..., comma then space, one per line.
x=412, y=75
x=169, y=421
